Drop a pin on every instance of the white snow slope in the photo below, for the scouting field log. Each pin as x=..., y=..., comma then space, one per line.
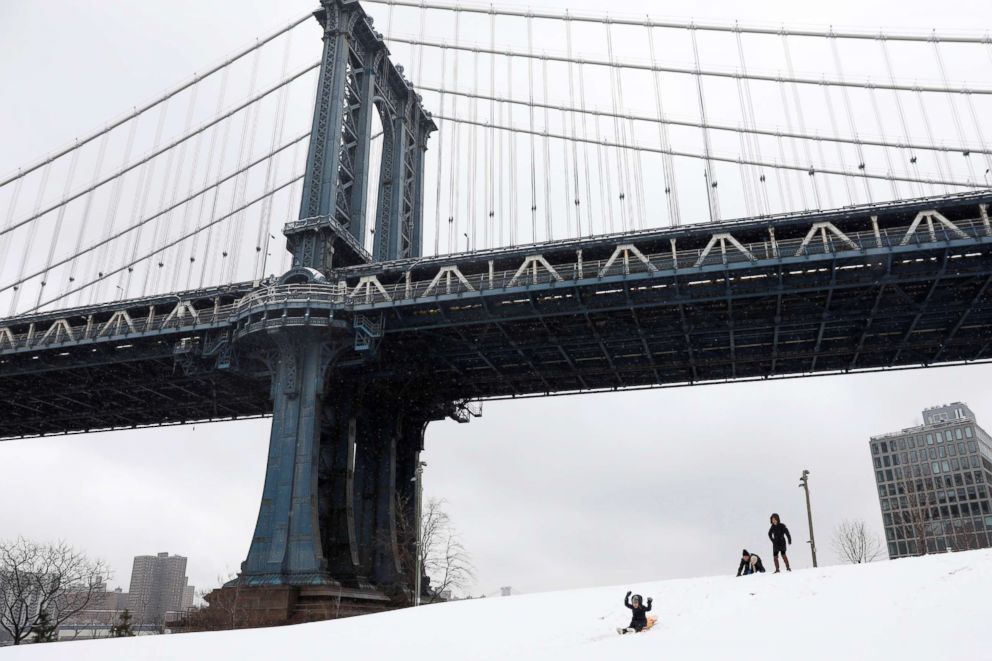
x=935, y=607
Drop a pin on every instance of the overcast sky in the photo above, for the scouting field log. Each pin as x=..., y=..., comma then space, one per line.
x=547, y=493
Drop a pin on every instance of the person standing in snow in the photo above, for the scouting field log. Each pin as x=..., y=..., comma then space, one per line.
x=639, y=618
x=778, y=533
x=750, y=564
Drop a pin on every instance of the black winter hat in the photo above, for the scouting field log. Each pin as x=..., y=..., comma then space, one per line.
x=744, y=552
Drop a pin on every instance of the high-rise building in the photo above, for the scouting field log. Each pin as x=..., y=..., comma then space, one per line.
x=935, y=483
x=158, y=587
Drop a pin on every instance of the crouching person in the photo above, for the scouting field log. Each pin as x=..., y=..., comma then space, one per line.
x=750, y=564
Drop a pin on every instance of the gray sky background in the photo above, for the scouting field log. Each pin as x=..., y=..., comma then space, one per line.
x=550, y=493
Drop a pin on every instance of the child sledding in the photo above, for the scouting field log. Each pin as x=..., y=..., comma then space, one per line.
x=639, y=620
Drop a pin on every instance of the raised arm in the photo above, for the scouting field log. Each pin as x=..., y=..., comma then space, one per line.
x=626, y=600
x=650, y=599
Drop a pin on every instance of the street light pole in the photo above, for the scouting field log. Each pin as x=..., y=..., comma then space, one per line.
x=418, y=478
x=804, y=484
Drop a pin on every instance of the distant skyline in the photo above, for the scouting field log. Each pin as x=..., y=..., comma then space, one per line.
x=553, y=493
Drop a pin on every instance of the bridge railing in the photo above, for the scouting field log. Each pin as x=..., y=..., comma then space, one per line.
x=723, y=249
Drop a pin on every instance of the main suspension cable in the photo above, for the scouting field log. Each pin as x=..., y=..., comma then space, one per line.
x=159, y=151
x=137, y=112
x=715, y=126
x=690, y=71
x=728, y=159
x=682, y=25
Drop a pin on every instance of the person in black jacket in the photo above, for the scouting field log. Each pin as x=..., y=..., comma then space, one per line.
x=778, y=533
x=750, y=564
x=639, y=618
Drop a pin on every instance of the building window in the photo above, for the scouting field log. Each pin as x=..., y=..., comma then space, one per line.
x=911, y=442
x=874, y=448
x=933, y=454
x=929, y=439
x=886, y=461
x=973, y=446
x=954, y=464
x=936, y=468
x=961, y=448
x=967, y=432
x=946, y=466
x=941, y=452
x=878, y=462
x=947, y=435
x=951, y=450
x=957, y=433
x=885, y=446
x=913, y=457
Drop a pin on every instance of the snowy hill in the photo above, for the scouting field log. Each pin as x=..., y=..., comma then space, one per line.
x=923, y=608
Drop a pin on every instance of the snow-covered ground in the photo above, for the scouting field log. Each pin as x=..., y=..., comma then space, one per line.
x=923, y=608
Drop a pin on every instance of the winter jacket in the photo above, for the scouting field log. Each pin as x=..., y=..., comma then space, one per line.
x=778, y=533
x=638, y=620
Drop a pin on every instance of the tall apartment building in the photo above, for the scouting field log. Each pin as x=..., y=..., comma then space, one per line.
x=158, y=586
x=935, y=483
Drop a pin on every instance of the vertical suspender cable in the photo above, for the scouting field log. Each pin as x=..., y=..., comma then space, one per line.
x=97, y=258
x=585, y=151
x=60, y=219
x=752, y=139
x=87, y=207
x=162, y=225
x=207, y=169
x=897, y=97
x=491, y=133
x=530, y=111
x=711, y=182
x=143, y=191
x=828, y=102
x=440, y=156
x=929, y=129
x=667, y=162
x=549, y=233
x=618, y=132
x=207, y=256
x=262, y=233
x=32, y=231
x=571, y=115
x=7, y=238
x=952, y=102
x=850, y=114
x=890, y=170
x=453, y=165
x=797, y=100
x=235, y=226
x=512, y=174
x=473, y=161
x=981, y=135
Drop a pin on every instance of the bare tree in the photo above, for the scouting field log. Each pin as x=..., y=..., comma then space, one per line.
x=36, y=578
x=855, y=543
x=444, y=560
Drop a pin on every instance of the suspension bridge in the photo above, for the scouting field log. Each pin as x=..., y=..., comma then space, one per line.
x=540, y=203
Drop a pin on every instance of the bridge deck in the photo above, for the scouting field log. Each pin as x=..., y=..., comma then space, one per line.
x=858, y=289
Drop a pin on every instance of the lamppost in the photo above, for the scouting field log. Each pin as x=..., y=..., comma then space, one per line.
x=804, y=484
x=418, y=479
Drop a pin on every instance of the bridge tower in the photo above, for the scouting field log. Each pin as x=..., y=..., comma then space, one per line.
x=343, y=450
